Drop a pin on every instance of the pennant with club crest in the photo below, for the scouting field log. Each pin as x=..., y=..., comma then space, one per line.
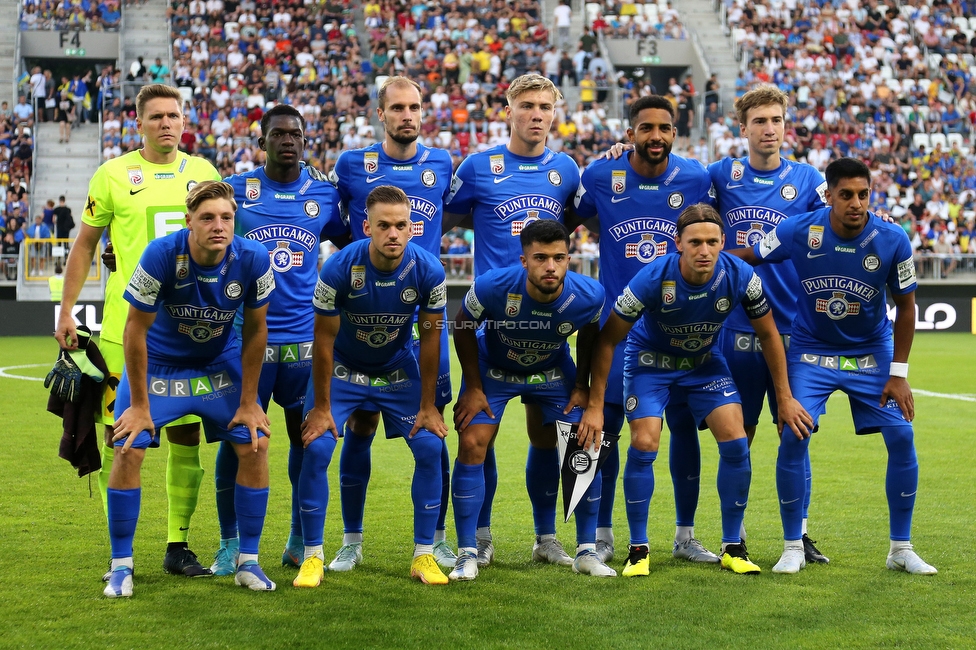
x=578, y=466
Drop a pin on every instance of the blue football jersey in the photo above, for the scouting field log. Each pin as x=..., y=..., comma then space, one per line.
x=195, y=326
x=675, y=317
x=752, y=203
x=841, y=289
x=637, y=215
x=503, y=192
x=376, y=307
x=524, y=336
x=425, y=179
x=290, y=220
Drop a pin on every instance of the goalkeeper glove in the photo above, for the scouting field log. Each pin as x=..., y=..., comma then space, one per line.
x=64, y=380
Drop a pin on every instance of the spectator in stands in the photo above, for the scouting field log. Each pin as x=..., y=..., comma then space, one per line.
x=23, y=112
x=64, y=222
x=159, y=72
x=10, y=251
x=562, y=21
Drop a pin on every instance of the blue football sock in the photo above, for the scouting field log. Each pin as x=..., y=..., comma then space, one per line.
x=684, y=461
x=790, y=483
x=225, y=478
x=734, y=476
x=355, y=466
x=426, y=488
x=467, y=494
x=901, y=480
x=586, y=512
x=252, y=506
x=491, y=484
x=613, y=422
x=808, y=482
x=445, y=486
x=638, y=490
x=542, y=484
x=123, y=515
x=295, y=456
x=313, y=488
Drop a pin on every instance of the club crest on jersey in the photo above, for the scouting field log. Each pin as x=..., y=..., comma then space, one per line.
x=371, y=161
x=555, y=178
x=283, y=258
x=692, y=343
x=837, y=306
x=497, y=164
x=252, y=189
x=201, y=332
x=513, y=305
x=738, y=169
x=357, y=277
x=311, y=208
x=618, y=181
x=788, y=192
x=564, y=328
x=815, y=237
x=871, y=263
x=409, y=295
x=416, y=229
x=750, y=237
x=135, y=174
x=182, y=266
x=233, y=290
x=190, y=185
x=669, y=292
x=428, y=178
x=647, y=249
x=723, y=305
x=526, y=359
x=676, y=200
x=379, y=337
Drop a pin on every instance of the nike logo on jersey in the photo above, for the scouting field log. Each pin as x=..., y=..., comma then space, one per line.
x=182, y=286
x=357, y=295
x=729, y=393
x=247, y=205
x=502, y=178
x=134, y=192
x=668, y=311
x=730, y=186
x=810, y=256
x=618, y=199
x=373, y=179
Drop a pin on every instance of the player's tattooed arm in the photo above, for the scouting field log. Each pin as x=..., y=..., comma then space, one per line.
x=136, y=418
x=791, y=412
x=319, y=419
x=897, y=388
x=591, y=424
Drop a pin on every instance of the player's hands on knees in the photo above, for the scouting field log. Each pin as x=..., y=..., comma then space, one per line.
x=793, y=415
x=897, y=388
x=428, y=417
x=253, y=417
x=130, y=424
x=469, y=404
x=590, y=430
x=617, y=150
x=317, y=423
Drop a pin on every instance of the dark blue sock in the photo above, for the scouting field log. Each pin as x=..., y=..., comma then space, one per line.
x=426, y=487
x=123, y=515
x=684, y=461
x=790, y=483
x=613, y=422
x=355, y=466
x=225, y=478
x=467, y=494
x=295, y=455
x=638, y=490
x=445, y=486
x=491, y=484
x=542, y=484
x=901, y=480
x=313, y=488
x=807, y=484
x=586, y=512
x=734, y=476
x=252, y=506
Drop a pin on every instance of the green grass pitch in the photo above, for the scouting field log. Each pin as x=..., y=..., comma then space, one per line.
x=54, y=548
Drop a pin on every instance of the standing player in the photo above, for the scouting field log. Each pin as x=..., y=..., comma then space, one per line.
x=363, y=359
x=678, y=303
x=528, y=311
x=755, y=194
x=289, y=208
x=845, y=258
x=139, y=197
x=424, y=174
x=637, y=199
x=503, y=189
x=183, y=356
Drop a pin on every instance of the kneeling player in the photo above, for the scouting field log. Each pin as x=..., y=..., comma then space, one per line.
x=528, y=313
x=363, y=362
x=186, y=359
x=678, y=303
